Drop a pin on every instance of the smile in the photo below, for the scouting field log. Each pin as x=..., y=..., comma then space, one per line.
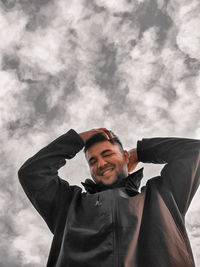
x=107, y=171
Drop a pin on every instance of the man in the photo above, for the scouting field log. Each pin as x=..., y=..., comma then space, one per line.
x=112, y=224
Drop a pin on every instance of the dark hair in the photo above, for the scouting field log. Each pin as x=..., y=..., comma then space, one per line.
x=99, y=137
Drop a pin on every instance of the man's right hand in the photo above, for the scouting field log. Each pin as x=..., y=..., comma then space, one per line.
x=86, y=135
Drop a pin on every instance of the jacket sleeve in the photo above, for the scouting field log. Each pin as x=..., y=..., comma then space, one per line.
x=181, y=174
x=39, y=177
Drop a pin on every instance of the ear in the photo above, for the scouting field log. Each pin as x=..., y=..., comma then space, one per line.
x=126, y=156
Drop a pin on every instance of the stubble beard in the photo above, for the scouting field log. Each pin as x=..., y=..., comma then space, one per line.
x=118, y=176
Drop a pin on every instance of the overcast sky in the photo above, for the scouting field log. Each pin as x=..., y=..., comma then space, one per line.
x=130, y=66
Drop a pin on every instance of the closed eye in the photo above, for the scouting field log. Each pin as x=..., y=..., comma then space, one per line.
x=108, y=154
x=92, y=161
x=105, y=153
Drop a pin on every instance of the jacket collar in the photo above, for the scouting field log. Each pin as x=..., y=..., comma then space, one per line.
x=131, y=184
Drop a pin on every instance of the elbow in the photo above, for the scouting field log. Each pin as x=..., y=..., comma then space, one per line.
x=25, y=170
x=25, y=177
x=21, y=174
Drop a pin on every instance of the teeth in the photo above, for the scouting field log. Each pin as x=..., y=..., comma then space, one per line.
x=106, y=171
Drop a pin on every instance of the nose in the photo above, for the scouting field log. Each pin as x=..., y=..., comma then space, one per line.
x=101, y=162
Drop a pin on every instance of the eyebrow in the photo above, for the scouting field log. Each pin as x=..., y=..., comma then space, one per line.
x=102, y=153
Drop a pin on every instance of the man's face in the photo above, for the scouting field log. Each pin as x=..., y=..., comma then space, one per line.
x=107, y=162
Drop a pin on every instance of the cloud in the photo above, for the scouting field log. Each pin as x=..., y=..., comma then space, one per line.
x=188, y=38
x=28, y=234
x=120, y=6
x=186, y=17
x=41, y=49
x=10, y=31
x=11, y=94
x=130, y=66
x=89, y=106
x=193, y=227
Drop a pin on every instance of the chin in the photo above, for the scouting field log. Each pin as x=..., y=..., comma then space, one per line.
x=110, y=180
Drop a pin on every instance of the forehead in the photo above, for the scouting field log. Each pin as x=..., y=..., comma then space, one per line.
x=99, y=147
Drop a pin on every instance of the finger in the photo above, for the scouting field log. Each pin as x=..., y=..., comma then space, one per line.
x=102, y=129
x=109, y=134
x=105, y=132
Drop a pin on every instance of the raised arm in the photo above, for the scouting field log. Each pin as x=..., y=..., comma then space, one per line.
x=39, y=176
x=181, y=174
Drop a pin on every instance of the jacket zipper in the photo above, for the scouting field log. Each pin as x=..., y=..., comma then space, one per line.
x=116, y=235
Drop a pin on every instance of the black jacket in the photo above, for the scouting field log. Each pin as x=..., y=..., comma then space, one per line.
x=115, y=227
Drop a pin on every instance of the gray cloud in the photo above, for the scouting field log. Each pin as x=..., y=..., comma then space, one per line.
x=131, y=66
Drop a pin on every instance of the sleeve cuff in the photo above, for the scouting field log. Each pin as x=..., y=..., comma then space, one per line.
x=139, y=150
x=144, y=153
x=76, y=136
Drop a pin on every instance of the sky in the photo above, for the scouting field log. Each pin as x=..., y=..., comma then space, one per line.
x=130, y=66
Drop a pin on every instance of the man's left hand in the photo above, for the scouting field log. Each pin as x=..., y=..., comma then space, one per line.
x=133, y=159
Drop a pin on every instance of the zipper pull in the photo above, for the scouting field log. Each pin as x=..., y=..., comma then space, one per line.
x=98, y=203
